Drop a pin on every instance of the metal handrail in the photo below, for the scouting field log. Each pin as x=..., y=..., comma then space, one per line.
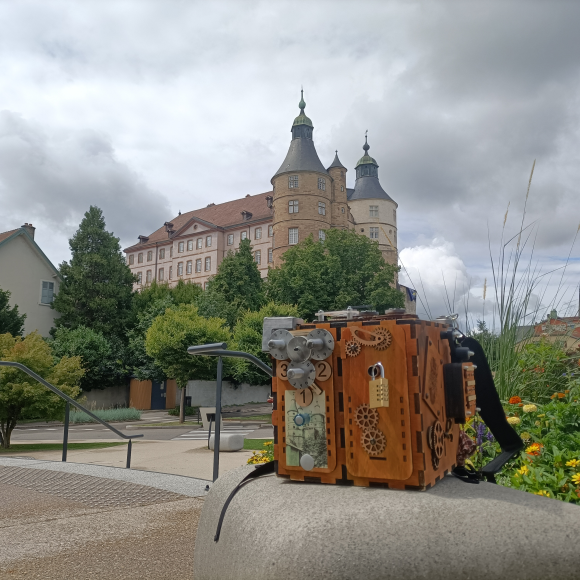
x=71, y=401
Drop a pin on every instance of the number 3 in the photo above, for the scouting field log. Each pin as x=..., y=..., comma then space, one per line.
x=282, y=371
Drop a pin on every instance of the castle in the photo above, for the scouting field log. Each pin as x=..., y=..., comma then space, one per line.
x=306, y=199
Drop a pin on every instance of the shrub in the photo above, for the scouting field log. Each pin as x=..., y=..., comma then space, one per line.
x=188, y=411
x=107, y=415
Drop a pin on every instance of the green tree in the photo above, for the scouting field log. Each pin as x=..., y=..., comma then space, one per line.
x=20, y=394
x=10, y=320
x=97, y=286
x=182, y=293
x=100, y=356
x=345, y=269
x=248, y=338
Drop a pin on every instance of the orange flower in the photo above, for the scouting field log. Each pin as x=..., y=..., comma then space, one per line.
x=520, y=404
x=515, y=400
x=567, y=391
x=534, y=449
x=561, y=395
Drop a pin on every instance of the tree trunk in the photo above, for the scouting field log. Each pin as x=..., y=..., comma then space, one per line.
x=182, y=406
x=5, y=433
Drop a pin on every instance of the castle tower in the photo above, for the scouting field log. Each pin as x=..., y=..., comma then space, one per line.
x=337, y=172
x=374, y=211
x=302, y=199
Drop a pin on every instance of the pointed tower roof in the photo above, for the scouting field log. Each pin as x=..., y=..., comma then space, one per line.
x=367, y=184
x=302, y=155
x=336, y=162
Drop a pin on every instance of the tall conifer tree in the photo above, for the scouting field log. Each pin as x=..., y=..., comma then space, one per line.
x=97, y=285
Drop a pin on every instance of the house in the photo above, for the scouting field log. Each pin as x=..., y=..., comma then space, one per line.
x=30, y=277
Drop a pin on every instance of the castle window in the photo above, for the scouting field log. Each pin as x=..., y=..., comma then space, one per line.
x=188, y=267
x=198, y=265
x=161, y=274
x=373, y=210
x=270, y=231
x=258, y=256
x=199, y=243
x=394, y=215
x=140, y=258
x=342, y=209
x=189, y=245
x=321, y=208
x=207, y=264
x=322, y=183
x=321, y=235
x=230, y=239
x=244, y=235
x=148, y=276
x=258, y=234
x=162, y=254
x=180, y=269
x=139, y=277
x=181, y=247
x=270, y=255
x=342, y=188
x=205, y=285
x=171, y=252
x=292, y=236
x=131, y=259
x=374, y=233
x=207, y=241
x=170, y=272
x=293, y=181
x=149, y=256
x=293, y=206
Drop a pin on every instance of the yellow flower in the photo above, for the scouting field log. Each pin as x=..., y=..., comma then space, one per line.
x=529, y=408
x=543, y=492
x=542, y=415
x=524, y=470
x=573, y=463
x=537, y=423
x=525, y=436
x=513, y=420
x=576, y=478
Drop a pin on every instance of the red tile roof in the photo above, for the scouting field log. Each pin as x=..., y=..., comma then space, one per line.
x=221, y=215
x=5, y=235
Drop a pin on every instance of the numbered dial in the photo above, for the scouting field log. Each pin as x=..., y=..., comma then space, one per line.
x=321, y=343
x=301, y=375
x=298, y=350
x=278, y=344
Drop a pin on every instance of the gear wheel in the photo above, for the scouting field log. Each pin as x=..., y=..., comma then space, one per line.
x=435, y=438
x=375, y=338
x=386, y=337
x=373, y=441
x=352, y=348
x=365, y=417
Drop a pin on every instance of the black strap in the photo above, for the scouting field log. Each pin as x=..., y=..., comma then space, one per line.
x=263, y=469
x=466, y=475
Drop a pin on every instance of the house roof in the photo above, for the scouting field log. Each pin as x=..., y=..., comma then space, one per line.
x=222, y=215
x=5, y=237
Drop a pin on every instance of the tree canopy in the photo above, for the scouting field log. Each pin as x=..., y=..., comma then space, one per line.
x=97, y=285
x=11, y=321
x=345, y=269
x=182, y=293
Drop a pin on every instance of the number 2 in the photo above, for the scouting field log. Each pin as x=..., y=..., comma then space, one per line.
x=323, y=370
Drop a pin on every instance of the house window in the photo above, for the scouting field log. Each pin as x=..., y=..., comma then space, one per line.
x=199, y=243
x=292, y=236
x=189, y=267
x=171, y=252
x=140, y=258
x=270, y=255
x=258, y=234
x=293, y=206
x=374, y=233
x=132, y=259
x=162, y=254
x=322, y=183
x=149, y=256
x=321, y=208
x=161, y=274
x=293, y=181
x=148, y=277
x=139, y=277
x=207, y=241
x=47, y=292
x=208, y=264
x=198, y=265
x=180, y=269
x=373, y=210
x=270, y=231
x=321, y=235
x=181, y=247
x=189, y=245
x=258, y=257
x=244, y=235
x=170, y=272
x=230, y=239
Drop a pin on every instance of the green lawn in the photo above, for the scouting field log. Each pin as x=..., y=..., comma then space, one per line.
x=255, y=444
x=170, y=424
x=22, y=447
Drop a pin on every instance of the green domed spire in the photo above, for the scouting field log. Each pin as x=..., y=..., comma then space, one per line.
x=366, y=158
x=302, y=119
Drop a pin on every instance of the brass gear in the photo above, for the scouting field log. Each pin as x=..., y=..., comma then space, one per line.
x=365, y=417
x=386, y=336
x=352, y=348
x=435, y=438
x=373, y=441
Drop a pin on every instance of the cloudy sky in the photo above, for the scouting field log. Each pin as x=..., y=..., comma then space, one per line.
x=146, y=108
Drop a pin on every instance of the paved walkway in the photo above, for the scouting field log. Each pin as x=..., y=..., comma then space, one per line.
x=72, y=521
